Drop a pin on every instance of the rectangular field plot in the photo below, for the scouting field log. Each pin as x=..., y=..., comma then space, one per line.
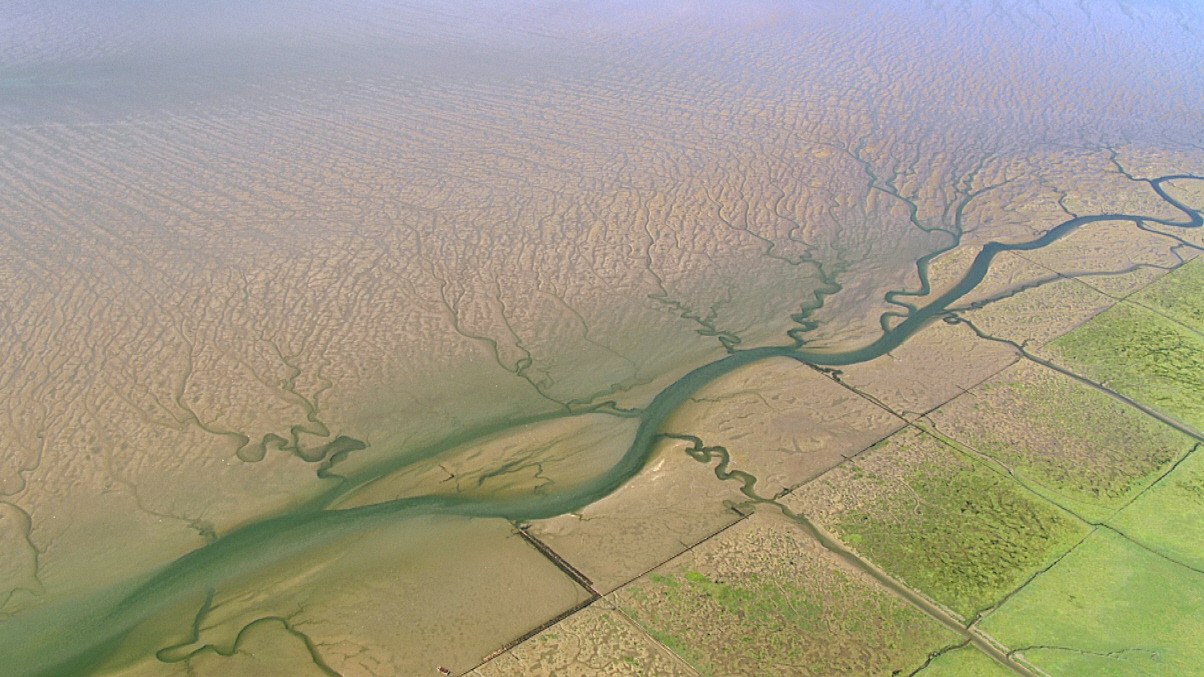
x=935, y=365
x=782, y=421
x=944, y=524
x=763, y=598
x=1142, y=355
x=1179, y=296
x=1110, y=607
x=1082, y=449
x=673, y=503
x=1169, y=517
x=595, y=641
x=1034, y=316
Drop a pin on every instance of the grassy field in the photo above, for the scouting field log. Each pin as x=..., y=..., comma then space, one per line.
x=764, y=599
x=1111, y=608
x=1169, y=518
x=945, y=524
x=1082, y=449
x=1142, y=355
x=1178, y=295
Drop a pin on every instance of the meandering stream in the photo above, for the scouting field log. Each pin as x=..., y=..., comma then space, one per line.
x=73, y=636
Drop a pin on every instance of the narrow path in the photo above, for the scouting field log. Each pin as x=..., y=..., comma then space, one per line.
x=706, y=454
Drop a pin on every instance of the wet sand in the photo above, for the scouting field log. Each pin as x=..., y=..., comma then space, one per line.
x=276, y=289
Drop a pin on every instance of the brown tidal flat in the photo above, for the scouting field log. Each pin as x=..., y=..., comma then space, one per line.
x=936, y=365
x=783, y=422
x=598, y=640
x=673, y=504
x=336, y=338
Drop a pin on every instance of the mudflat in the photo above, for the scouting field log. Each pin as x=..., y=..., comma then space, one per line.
x=410, y=338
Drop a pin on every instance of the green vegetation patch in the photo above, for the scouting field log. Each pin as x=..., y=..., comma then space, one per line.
x=1142, y=355
x=1086, y=451
x=1110, y=607
x=965, y=661
x=1179, y=295
x=1169, y=517
x=960, y=532
x=773, y=607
